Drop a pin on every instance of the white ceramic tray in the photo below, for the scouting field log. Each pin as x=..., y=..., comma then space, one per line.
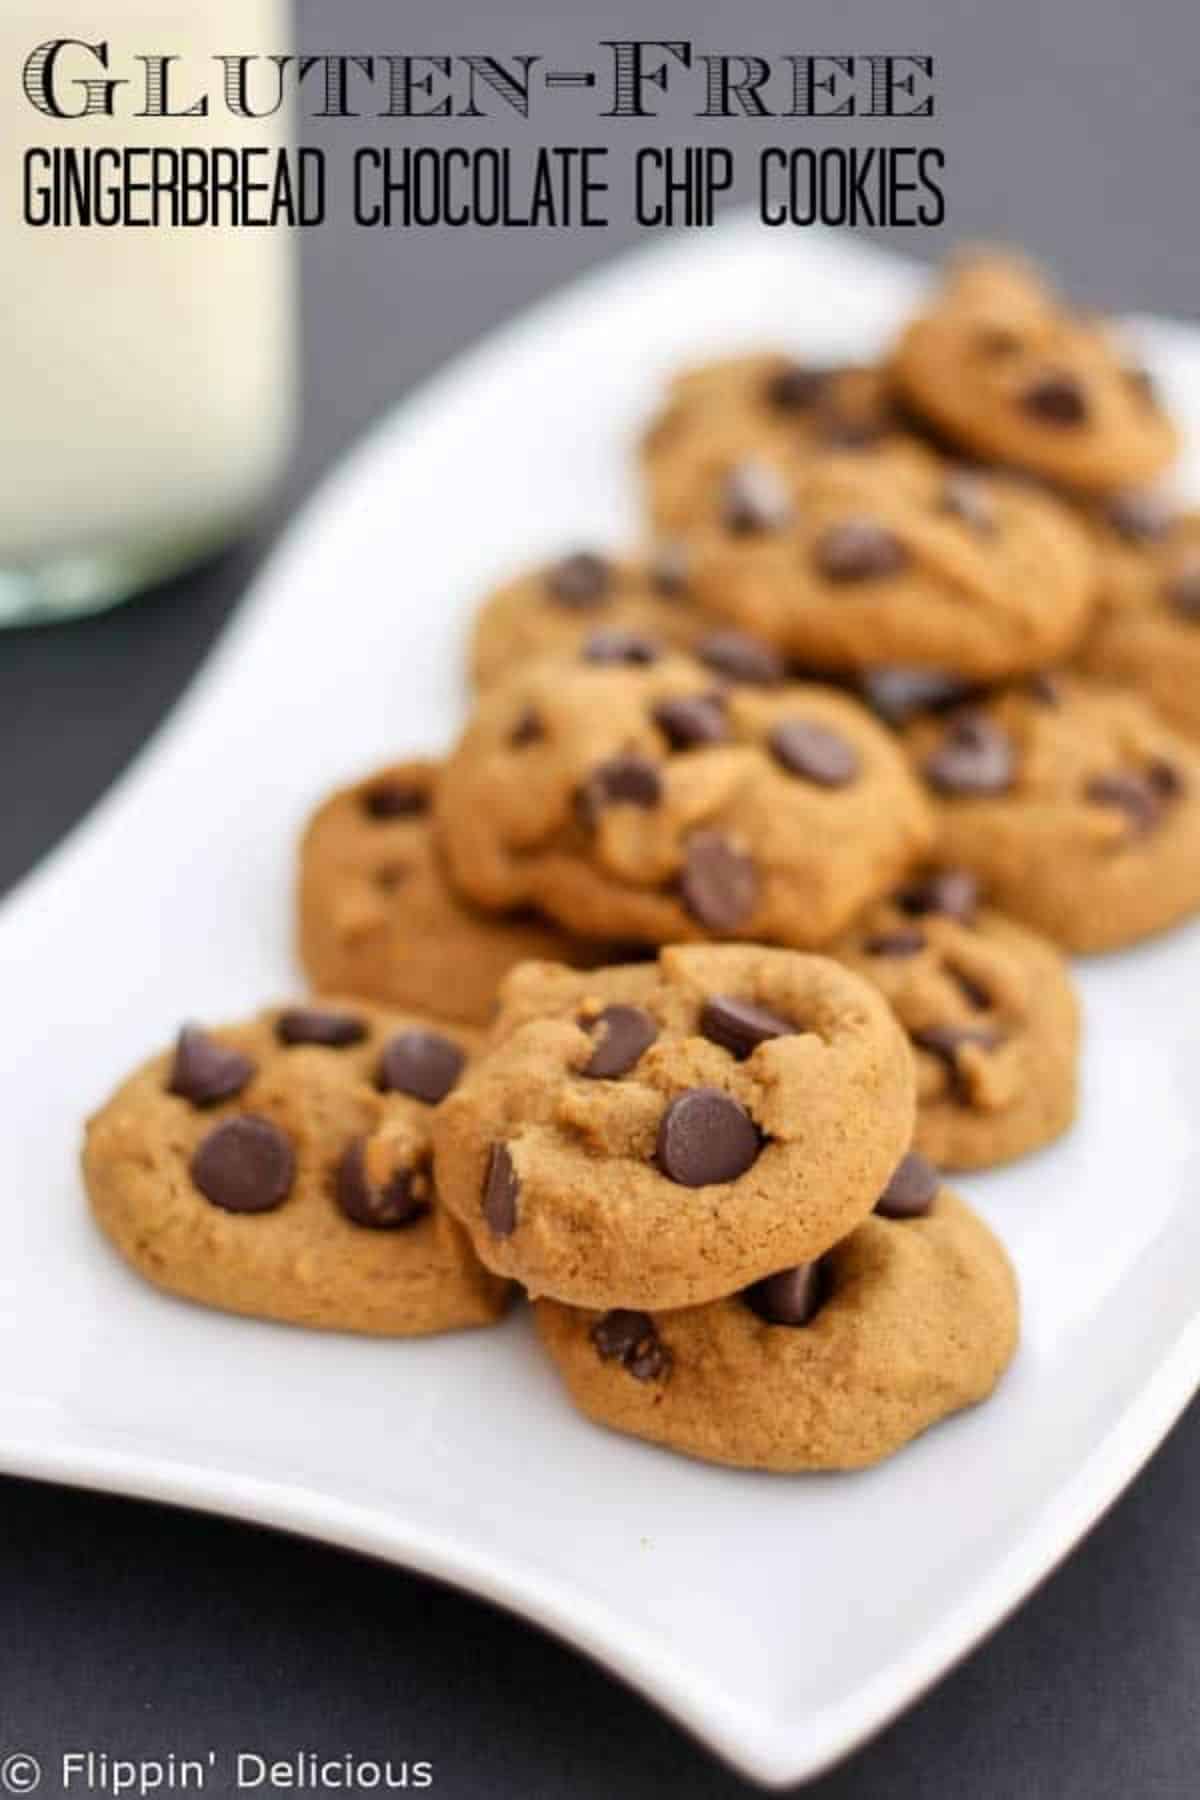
x=781, y=1620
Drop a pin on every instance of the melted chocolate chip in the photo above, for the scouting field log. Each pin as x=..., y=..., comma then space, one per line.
x=422, y=1064
x=396, y=799
x=813, y=752
x=1182, y=588
x=623, y=1033
x=1134, y=792
x=1056, y=399
x=383, y=1208
x=739, y=1026
x=501, y=1190
x=964, y=496
x=792, y=1297
x=689, y=721
x=755, y=498
x=629, y=779
x=975, y=756
x=945, y=1042
x=796, y=387
x=305, y=1025
x=527, y=730
x=1139, y=516
x=911, y=1190
x=632, y=1339
x=741, y=658
x=953, y=893
x=244, y=1165
x=618, y=647
x=705, y=1137
x=859, y=550
x=581, y=581
x=1045, y=688
x=972, y=991
x=897, y=695
x=895, y=943
x=719, y=884
x=204, y=1071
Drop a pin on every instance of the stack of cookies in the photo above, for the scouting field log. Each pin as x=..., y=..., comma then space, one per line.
x=736, y=913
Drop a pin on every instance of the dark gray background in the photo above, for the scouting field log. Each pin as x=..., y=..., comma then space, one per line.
x=1072, y=124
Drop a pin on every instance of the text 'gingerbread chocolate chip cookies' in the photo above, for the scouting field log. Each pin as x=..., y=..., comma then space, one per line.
x=665, y=1133
x=283, y=1168
x=663, y=804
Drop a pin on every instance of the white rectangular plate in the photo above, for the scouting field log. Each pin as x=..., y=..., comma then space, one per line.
x=460, y=1456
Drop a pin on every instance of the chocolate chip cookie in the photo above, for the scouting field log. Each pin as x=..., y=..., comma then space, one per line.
x=1005, y=370
x=735, y=435
x=1076, y=808
x=991, y=1013
x=661, y=803
x=933, y=566
x=832, y=1365
x=1147, y=629
x=660, y=1134
x=604, y=609
x=378, y=916
x=283, y=1168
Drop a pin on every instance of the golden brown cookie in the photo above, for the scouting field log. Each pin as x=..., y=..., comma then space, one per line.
x=1147, y=630
x=928, y=567
x=378, y=916
x=1000, y=366
x=660, y=1134
x=1076, y=808
x=735, y=435
x=601, y=608
x=991, y=1013
x=830, y=1367
x=282, y=1168
x=655, y=804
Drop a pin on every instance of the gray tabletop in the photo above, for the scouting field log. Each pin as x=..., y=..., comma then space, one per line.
x=1073, y=125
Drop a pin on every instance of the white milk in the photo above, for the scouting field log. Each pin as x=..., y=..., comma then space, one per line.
x=146, y=375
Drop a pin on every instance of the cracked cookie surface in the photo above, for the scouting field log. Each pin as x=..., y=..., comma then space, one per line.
x=660, y=1134
x=907, y=1320
x=282, y=1167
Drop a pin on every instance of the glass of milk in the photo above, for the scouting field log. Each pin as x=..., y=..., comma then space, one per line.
x=147, y=376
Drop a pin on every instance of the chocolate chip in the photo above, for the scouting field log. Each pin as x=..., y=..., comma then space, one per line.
x=945, y=1042
x=739, y=1026
x=895, y=943
x=1139, y=516
x=620, y=647
x=792, y=1297
x=859, y=550
x=898, y=695
x=996, y=341
x=389, y=876
x=1045, y=688
x=303, y=1025
x=689, y=721
x=244, y=1165
x=204, y=1071
x=814, y=752
x=719, y=884
x=1182, y=588
x=501, y=1189
x=632, y=1339
x=628, y=779
x=964, y=496
x=973, y=991
x=911, y=1190
x=383, y=1208
x=669, y=570
x=420, y=1063
x=755, y=498
x=706, y=1137
x=527, y=730
x=796, y=387
x=741, y=658
x=581, y=581
x=624, y=1032
x=975, y=756
x=396, y=799
x=1056, y=399
x=952, y=893
x=1133, y=792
